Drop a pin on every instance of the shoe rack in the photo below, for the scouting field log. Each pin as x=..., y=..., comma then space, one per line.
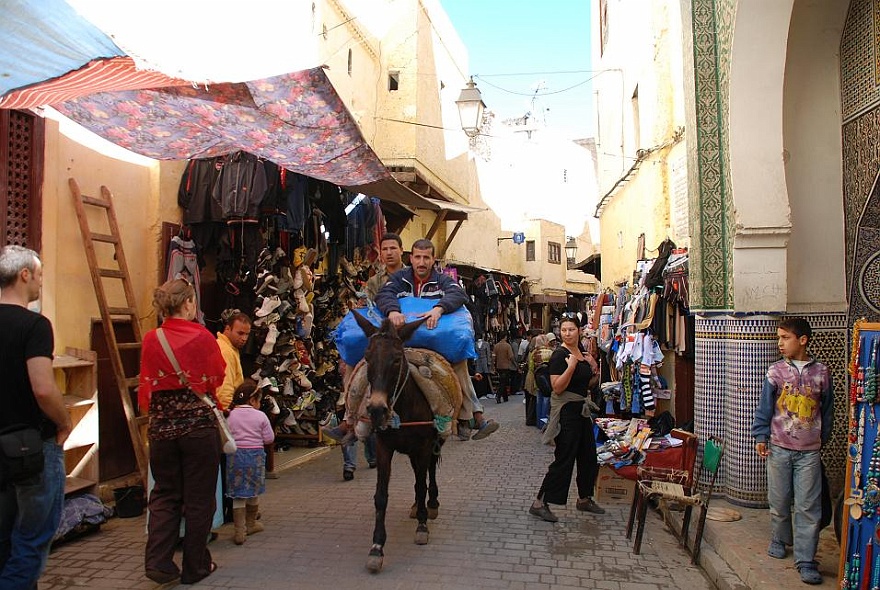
x=304, y=425
x=76, y=372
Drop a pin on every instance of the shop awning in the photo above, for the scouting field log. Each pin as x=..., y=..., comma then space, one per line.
x=454, y=211
x=390, y=190
x=296, y=120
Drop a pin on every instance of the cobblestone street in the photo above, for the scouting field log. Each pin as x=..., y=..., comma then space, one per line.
x=319, y=529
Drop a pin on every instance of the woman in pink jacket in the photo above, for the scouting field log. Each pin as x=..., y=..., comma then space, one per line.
x=246, y=469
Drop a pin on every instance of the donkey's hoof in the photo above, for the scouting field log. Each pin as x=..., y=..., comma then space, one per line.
x=374, y=561
x=422, y=535
x=433, y=513
x=412, y=512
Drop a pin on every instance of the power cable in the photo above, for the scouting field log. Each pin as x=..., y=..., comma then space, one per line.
x=536, y=93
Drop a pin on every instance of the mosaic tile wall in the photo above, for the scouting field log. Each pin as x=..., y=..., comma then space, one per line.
x=830, y=345
x=732, y=357
x=709, y=385
x=860, y=105
x=860, y=59
x=860, y=90
x=711, y=204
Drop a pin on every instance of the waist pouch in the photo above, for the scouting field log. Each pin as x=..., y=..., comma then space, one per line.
x=21, y=455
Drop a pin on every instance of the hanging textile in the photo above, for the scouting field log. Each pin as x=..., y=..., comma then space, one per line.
x=183, y=264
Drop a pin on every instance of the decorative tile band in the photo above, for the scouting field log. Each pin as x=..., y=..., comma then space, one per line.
x=711, y=201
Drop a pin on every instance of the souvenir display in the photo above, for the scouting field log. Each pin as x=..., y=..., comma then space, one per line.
x=860, y=562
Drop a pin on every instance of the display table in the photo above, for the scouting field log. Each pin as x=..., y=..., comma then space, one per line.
x=682, y=457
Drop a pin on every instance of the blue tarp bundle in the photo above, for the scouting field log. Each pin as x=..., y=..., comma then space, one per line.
x=453, y=337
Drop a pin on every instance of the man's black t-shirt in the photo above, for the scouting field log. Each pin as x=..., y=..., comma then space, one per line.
x=580, y=381
x=23, y=335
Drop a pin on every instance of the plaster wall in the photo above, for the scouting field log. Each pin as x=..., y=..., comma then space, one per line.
x=417, y=124
x=761, y=207
x=541, y=272
x=812, y=156
x=359, y=88
x=144, y=194
x=644, y=50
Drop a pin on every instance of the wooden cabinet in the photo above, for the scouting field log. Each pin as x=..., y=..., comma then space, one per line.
x=76, y=373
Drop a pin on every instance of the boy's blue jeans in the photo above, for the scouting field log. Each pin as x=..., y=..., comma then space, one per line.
x=349, y=453
x=29, y=517
x=795, y=476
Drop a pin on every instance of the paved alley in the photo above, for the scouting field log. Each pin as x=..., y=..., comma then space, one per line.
x=319, y=530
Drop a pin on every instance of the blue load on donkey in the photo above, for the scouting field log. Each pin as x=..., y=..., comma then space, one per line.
x=453, y=337
x=429, y=354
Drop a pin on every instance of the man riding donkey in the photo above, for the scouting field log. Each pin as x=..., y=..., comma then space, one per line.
x=423, y=281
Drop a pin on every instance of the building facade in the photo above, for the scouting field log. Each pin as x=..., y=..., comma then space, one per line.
x=780, y=112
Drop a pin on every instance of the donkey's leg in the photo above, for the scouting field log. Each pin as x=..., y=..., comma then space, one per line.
x=419, y=464
x=433, y=491
x=380, y=500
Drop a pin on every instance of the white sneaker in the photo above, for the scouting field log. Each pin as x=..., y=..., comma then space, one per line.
x=271, y=337
x=269, y=305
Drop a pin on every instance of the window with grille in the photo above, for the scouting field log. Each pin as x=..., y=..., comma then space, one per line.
x=530, y=250
x=21, y=178
x=554, y=252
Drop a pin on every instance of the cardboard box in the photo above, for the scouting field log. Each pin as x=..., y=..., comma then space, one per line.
x=610, y=487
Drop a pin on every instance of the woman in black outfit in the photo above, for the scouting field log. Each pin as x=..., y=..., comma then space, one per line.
x=570, y=428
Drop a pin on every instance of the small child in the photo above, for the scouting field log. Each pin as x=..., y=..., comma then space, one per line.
x=792, y=422
x=246, y=469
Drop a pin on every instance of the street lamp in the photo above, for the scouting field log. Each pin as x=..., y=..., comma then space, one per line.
x=470, y=109
x=571, y=250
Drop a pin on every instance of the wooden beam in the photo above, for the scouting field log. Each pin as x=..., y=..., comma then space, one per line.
x=404, y=177
x=441, y=216
x=450, y=238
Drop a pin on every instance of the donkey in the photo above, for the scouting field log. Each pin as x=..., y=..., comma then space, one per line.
x=404, y=422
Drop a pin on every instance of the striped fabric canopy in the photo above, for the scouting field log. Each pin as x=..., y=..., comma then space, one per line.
x=100, y=75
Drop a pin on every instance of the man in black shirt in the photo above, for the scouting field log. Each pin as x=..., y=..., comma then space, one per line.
x=29, y=511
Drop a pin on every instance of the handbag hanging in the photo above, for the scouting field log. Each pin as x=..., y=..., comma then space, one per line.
x=229, y=446
x=21, y=454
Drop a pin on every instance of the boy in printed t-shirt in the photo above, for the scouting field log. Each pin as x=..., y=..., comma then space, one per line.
x=792, y=422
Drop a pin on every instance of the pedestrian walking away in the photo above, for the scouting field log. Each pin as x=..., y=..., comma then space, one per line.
x=184, y=442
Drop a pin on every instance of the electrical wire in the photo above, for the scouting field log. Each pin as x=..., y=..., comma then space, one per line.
x=536, y=93
x=540, y=73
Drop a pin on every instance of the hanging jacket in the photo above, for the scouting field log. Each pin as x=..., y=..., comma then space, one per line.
x=196, y=188
x=241, y=187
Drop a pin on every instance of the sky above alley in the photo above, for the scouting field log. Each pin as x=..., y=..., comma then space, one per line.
x=518, y=48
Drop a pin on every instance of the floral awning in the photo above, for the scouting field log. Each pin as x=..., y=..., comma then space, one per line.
x=295, y=120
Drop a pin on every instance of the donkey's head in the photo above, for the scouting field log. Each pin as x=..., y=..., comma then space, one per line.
x=386, y=365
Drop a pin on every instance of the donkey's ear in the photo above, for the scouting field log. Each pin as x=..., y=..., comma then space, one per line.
x=368, y=328
x=407, y=329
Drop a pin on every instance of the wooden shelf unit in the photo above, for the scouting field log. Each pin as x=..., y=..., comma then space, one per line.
x=311, y=438
x=77, y=372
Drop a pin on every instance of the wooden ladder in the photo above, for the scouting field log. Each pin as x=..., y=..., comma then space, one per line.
x=124, y=382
